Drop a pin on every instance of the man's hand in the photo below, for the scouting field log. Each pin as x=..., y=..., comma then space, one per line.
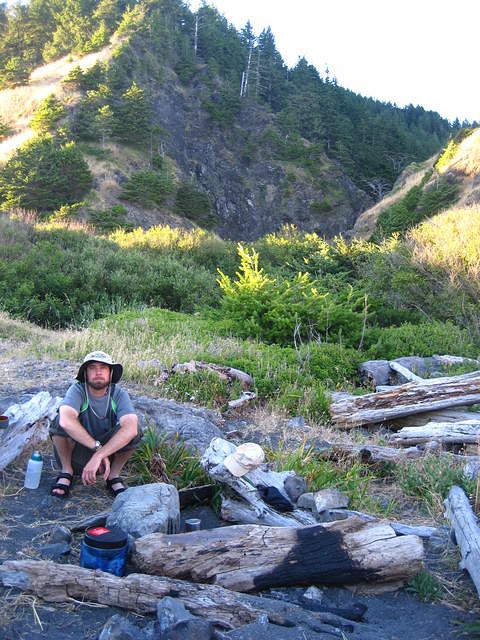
x=99, y=459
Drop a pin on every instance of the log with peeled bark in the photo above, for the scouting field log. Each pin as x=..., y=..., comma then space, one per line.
x=444, y=415
x=467, y=532
x=245, y=487
x=25, y=428
x=403, y=371
x=55, y=582
x=235, y=511
x=224, y=372
x=375, y=454
x=254, y=557
x=467, y=432
x=406, y=399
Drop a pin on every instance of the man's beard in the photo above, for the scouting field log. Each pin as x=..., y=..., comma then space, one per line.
x=98, y=385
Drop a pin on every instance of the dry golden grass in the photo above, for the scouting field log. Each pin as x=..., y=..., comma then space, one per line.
x=467, y=158
x=17, y=105
x=450, y=242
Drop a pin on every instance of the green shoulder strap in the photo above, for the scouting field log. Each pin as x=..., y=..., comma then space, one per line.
x=84, y=406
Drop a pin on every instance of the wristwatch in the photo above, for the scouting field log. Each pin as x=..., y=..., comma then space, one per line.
x=97, y=445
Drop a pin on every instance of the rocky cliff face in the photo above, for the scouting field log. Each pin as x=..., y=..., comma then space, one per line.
x=252, y=193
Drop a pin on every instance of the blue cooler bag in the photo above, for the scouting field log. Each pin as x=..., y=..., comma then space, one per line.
x=104, y=548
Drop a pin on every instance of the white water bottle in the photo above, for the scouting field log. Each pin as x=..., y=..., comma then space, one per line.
x=34, y=471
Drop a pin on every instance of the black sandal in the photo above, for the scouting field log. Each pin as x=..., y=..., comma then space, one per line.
x=113, y=491
x=63, y=487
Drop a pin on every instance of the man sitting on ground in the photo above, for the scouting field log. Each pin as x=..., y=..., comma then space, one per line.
x=97, y=428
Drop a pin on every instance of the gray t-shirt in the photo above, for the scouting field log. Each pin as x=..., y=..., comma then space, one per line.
x=100, y=424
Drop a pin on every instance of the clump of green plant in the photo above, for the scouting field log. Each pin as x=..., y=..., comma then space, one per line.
x=159, y=459
x=430, y=479
x=194, y=204
x=148, y=188
x=352, y=478
x=423, y=339
x=425, y=586
x=110, y=219
x=46, y=117
x=202, y=387
x=276, y=309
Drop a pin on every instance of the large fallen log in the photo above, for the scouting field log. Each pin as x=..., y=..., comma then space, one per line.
x=377, y=455
x=253, y=557
x=23, y=429
x=467, y=532
x=467, y=432
x=140, y=593
x=406, y=399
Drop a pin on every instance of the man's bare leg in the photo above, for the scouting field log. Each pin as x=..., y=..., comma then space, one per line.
x=64, y=447
x=118, y=462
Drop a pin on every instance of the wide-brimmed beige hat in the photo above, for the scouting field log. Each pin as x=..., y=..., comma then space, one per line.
x=100, y=356
x=247, y=457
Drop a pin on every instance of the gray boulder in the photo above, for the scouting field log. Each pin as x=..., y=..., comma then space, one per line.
x=119, y=628
x=170, y=611
x=194, y=426
x=146, y=509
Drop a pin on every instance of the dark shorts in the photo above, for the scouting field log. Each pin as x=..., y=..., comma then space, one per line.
x=81, y=455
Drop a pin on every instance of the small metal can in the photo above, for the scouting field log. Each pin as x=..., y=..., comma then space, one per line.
x=192, y=524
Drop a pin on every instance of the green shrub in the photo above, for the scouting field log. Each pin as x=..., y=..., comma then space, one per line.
x=320, y=207
x=110, y=219
x=47, y=115
x=5, y=130
x=425, y=586
x=57, y=277
x=148, y=188
x=194, y=204
x=438, y=197
x=424, y=339
x=275, y=310
x=223, y=108
x=43, y=176
x=67, y=212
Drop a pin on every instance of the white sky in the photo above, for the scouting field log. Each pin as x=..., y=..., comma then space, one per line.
x=423, y=52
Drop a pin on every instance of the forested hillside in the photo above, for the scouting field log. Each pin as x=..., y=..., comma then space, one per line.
x=221, y=133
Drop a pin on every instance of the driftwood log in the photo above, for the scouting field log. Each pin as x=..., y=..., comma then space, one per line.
x=140, y=593
x=369, y=453
x=421, y=419
x=23, y=429
x=245, y=488
x=406, y=399
x=378, y=455
x=253, y=557
x=403, y=371
x=467, y=432
x=467, y=532
x=225, y=373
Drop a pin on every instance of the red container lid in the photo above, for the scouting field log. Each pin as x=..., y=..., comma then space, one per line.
x=105, y=537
